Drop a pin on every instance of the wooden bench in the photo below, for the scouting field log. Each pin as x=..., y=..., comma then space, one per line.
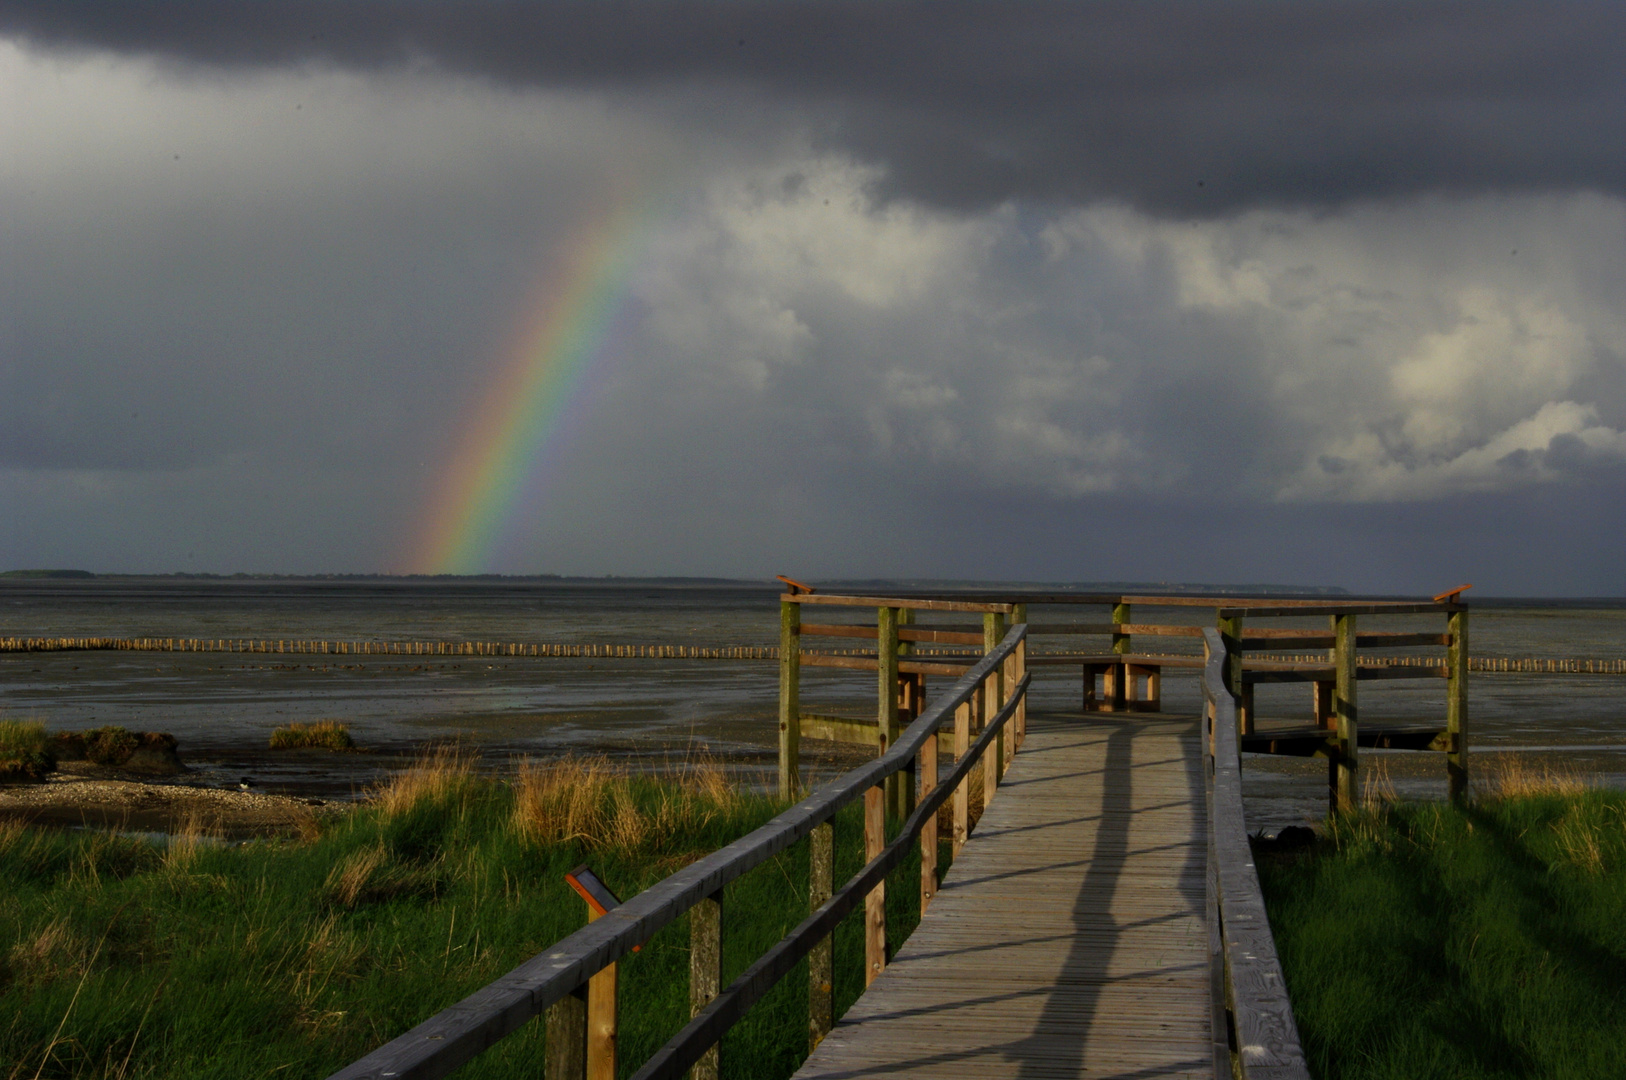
x=1121, y=675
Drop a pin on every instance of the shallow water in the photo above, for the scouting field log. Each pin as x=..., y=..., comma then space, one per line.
x=222, y=707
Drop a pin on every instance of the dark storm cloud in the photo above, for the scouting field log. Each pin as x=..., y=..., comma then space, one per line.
x=1174, y=107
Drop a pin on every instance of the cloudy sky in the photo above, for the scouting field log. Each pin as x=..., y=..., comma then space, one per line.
x=1257, y=292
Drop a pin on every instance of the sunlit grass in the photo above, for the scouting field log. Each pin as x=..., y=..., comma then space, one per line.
x=1423, y=940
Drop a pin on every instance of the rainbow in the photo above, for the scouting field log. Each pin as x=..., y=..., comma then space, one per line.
x=505, y=439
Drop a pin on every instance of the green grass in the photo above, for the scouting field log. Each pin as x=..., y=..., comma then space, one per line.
x=1424, y=941
x=320, y=734
x=121, y=958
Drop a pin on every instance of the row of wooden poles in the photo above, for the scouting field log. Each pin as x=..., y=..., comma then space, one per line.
x=394, y=648
x=1528, y=665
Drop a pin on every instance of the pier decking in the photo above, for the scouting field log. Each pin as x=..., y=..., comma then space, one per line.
x=1069, y=939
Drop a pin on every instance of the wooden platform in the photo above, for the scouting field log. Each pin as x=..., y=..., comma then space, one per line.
x=1069, y=939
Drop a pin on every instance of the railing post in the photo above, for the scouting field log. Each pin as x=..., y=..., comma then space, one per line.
x=1122, y=645
x=1019, y=614
x=875, y=902
x=911, y=700
x=601, y=1021
x=1231, y=633
x=962, y=793
x=790, y=703
x=705, y=971
x=565, y=1056
x=821, y=973
x=887, y=728
x=928, y=828
x=1346, y=792
x=1008, y=678
x=1456, y=706
x=993, y=629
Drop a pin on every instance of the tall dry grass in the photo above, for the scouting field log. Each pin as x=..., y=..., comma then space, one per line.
x=444, y=775
x=1515, y=778
x=594, y=802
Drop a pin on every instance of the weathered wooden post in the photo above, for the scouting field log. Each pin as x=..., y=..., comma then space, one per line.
x=1019, y=614
x=705, y=971
x=1230, y=628
x=602, y=1023
x=875, y=902
x=790, y=704
x=821, y=972
x=886, y=726
x=928, y=828
x=911, y=701
x=1119, y=672
x=1346, y=791
x=993, y=628
x=962, y=793
x=1456, y=705
x=566, y=1041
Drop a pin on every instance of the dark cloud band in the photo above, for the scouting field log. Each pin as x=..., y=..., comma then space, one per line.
x=1179, y=108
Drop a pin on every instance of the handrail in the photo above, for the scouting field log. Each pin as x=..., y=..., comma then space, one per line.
x=1263, y=1038
x=686, y=1048
x=456, y=1034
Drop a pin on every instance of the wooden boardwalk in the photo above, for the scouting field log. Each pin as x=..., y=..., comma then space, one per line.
x=1069, y=938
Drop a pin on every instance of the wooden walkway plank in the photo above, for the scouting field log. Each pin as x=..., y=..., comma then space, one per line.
x=1068, y=939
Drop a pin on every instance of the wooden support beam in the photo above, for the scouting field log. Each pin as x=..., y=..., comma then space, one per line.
x=1230, y=628
x=839, y=729
x=962, y=793
x=1019, y=614
x=887, y=718
x=705, y=971
x=821, y=972
x=790, y=707
x=566, y=1038
x=993, y=629
x=1456, y=706
x=1321, y=692
x=928, y=830
x=602, y=1021
x=897, y=602
x=875, y=901
x=1346, y=790
x=1120, y=638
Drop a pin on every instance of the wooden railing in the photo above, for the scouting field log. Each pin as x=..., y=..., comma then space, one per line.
x=455, y=1035
x=1255, y=1036
x=901, y=676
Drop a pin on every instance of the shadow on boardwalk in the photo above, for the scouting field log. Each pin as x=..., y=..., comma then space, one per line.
x=1068, y=940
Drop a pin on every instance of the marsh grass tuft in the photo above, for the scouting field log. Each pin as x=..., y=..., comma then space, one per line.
x=23, y=750
x=319, y=734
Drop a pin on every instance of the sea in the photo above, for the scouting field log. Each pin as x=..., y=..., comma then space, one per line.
x=658, y=713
